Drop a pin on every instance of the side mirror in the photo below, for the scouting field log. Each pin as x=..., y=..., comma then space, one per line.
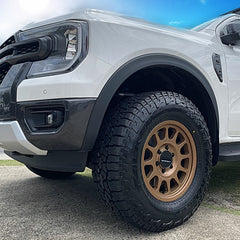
x=230, y=35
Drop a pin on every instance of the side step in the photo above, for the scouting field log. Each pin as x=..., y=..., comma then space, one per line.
x=229, y=152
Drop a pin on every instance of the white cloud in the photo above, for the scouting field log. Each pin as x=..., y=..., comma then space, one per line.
x=203, y=1
x=14, y=14
x=175, y=23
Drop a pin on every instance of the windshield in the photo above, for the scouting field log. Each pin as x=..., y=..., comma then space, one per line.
x=206, y=24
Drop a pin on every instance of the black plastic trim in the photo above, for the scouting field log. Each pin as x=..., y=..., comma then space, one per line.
x=229, y=152
x=10, y=55
x=70, y=135
x=63, y=161
x=217, y=66
x=118, y=78
x=9, y=41
x=8, y=90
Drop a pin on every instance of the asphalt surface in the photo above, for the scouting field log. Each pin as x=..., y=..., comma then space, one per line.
x=36, y=208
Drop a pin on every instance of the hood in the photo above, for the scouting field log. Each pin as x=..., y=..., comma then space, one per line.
x=110, y=17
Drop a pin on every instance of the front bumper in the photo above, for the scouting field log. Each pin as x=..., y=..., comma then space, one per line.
x=18, y=132
x=24, y=135
x=62, y=146
x=69, y=131
x=13, y=139
x=45, y=132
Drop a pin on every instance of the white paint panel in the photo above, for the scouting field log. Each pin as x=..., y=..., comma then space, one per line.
x=113, y=41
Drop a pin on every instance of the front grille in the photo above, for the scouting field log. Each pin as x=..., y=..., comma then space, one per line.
x=27, y=48
x=4, y=68
x=10, y=41
x=12, y=53
x=3, y=71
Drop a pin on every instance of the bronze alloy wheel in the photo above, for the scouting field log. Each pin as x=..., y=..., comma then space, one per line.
x=168, y=161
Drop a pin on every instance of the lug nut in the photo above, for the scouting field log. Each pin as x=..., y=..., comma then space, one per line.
x=163, y=171
x=159, y=151
x=157, y=163
x=173, y=154
x=171, y=166
x=167, y=147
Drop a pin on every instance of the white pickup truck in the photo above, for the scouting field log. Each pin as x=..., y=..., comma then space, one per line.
x=149, y=108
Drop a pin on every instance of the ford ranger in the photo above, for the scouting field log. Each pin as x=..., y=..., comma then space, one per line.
x=149, y=108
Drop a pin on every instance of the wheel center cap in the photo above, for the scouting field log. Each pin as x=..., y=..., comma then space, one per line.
x=166, y=159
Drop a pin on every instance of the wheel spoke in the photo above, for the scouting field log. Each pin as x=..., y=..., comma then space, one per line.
x=158, y=184
x=185, y=156
x=175, y=177
x=168, y=186
x=179, y=146
x=182, y=169
x=159, y=141
x=166, y=134
x=149, y=162
x=151, y=149
x=174, y=139
x=152, y=174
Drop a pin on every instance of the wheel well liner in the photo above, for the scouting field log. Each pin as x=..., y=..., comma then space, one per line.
x=123, y=73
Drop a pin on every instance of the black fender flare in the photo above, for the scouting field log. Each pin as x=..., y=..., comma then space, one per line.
x=125, y=71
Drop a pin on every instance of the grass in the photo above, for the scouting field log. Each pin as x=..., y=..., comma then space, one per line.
x=10, y=163
x=224, y=188
x=222, y=209
x=226, y=177
x=86, y=173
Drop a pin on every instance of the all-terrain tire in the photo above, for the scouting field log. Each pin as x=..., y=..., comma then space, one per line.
x=50, y=174
x=120, y=160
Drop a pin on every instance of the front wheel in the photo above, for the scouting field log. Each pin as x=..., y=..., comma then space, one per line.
x=152, y=160
x=50, y=174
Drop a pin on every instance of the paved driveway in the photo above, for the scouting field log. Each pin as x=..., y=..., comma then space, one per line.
x=35, y=208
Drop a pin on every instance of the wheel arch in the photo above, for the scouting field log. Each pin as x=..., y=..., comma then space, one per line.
x=116, y=83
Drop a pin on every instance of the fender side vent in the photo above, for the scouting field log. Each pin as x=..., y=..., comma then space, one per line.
x=217, y=66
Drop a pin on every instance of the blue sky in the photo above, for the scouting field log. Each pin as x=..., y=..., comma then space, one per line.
x=182, y=13
x=179, y=13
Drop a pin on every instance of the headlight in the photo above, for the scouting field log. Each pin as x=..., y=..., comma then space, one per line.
x=69, y=46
